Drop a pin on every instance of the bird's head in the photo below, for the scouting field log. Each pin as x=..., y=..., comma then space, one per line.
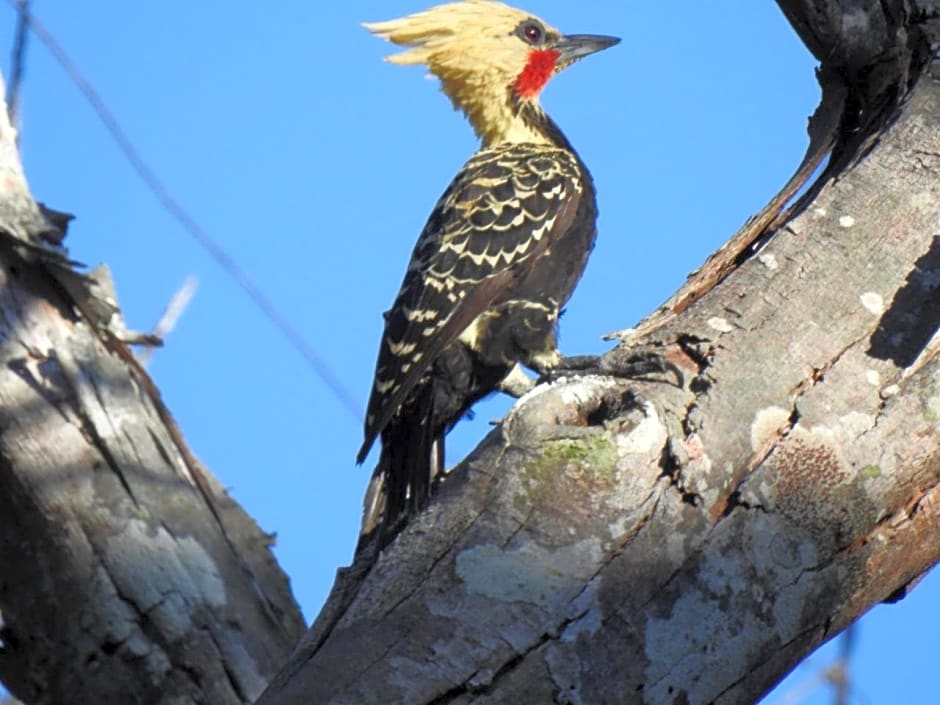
x=489, y=57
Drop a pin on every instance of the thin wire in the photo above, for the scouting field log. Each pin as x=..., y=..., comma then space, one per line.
x=294, y=337
x=18, y=61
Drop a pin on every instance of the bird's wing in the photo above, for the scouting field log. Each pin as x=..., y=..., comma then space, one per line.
x=500, y=213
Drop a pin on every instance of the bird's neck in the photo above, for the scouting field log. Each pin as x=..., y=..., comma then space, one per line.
x=514, y=120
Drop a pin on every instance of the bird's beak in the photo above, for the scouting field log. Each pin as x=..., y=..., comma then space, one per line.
x=573, y=47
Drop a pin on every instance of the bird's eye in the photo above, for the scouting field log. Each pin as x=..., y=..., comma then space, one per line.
x=532, y=33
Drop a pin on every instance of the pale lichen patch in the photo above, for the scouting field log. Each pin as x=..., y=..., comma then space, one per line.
x=873, y=378
x=856, y=423
x=890, y=391
x=748, y=585
x=769, y=261
x=873, y=302
x=202, y=571
x=647, y=435
x=574, y=390
x=531, y=574
x=158, y=571
x=766, y=425
x=720, y=324
x=584, y=389
x=846, y=221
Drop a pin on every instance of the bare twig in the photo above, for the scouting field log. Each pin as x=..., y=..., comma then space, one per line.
x=171, y=315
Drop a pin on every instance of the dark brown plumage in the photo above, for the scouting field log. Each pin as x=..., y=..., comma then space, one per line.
x=500, y=255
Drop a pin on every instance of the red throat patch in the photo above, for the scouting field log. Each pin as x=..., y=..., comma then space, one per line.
x=536, y=73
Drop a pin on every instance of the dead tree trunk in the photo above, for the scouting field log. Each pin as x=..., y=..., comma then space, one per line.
x=611, y=542
x=127, y=575
x=631, y=542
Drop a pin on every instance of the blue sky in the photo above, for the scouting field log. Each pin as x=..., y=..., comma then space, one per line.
x=315, y=164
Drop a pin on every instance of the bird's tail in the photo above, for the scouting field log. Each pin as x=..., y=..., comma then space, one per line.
x=412, y=456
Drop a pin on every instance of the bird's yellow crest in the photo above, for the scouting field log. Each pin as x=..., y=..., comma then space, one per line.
x=479, y=49
x=438, y=35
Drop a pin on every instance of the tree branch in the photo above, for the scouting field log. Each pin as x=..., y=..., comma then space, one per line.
x=128, y=574
x=638, y=543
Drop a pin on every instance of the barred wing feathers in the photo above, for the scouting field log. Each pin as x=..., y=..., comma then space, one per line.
x=499, y=215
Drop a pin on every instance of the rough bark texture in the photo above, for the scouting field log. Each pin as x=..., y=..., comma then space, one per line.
x=610, y=542
x=635, y=542
x=128, y=575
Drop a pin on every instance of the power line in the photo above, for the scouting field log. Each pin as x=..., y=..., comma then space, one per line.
x=17, y=62
x=294, y=337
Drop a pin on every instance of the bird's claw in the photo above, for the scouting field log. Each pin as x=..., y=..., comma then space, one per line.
x=633, y=366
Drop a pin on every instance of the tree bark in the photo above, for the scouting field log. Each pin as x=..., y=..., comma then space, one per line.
x=611, y=542
x=635, y=542
x=129, y=576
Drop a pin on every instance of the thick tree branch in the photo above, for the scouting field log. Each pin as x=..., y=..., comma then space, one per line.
x=609, y=542
x=128, y=575
x=617, y=542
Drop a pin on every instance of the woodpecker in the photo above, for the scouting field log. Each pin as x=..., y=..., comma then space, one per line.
x=500, y=255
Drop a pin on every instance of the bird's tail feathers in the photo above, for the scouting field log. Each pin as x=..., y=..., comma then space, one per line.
x=412, y=456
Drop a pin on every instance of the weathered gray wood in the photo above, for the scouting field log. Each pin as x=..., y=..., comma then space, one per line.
x=119, y=583
x=633, y=542
x=611, y=542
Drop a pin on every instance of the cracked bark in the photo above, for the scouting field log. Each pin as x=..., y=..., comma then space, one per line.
x=610, y=542
x=120, y=583
x=632, y=542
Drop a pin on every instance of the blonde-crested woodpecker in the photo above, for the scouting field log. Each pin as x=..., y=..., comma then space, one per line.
x=501, y=252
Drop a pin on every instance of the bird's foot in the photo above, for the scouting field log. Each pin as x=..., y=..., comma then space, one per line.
x=636, y=365
x=516, y=383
